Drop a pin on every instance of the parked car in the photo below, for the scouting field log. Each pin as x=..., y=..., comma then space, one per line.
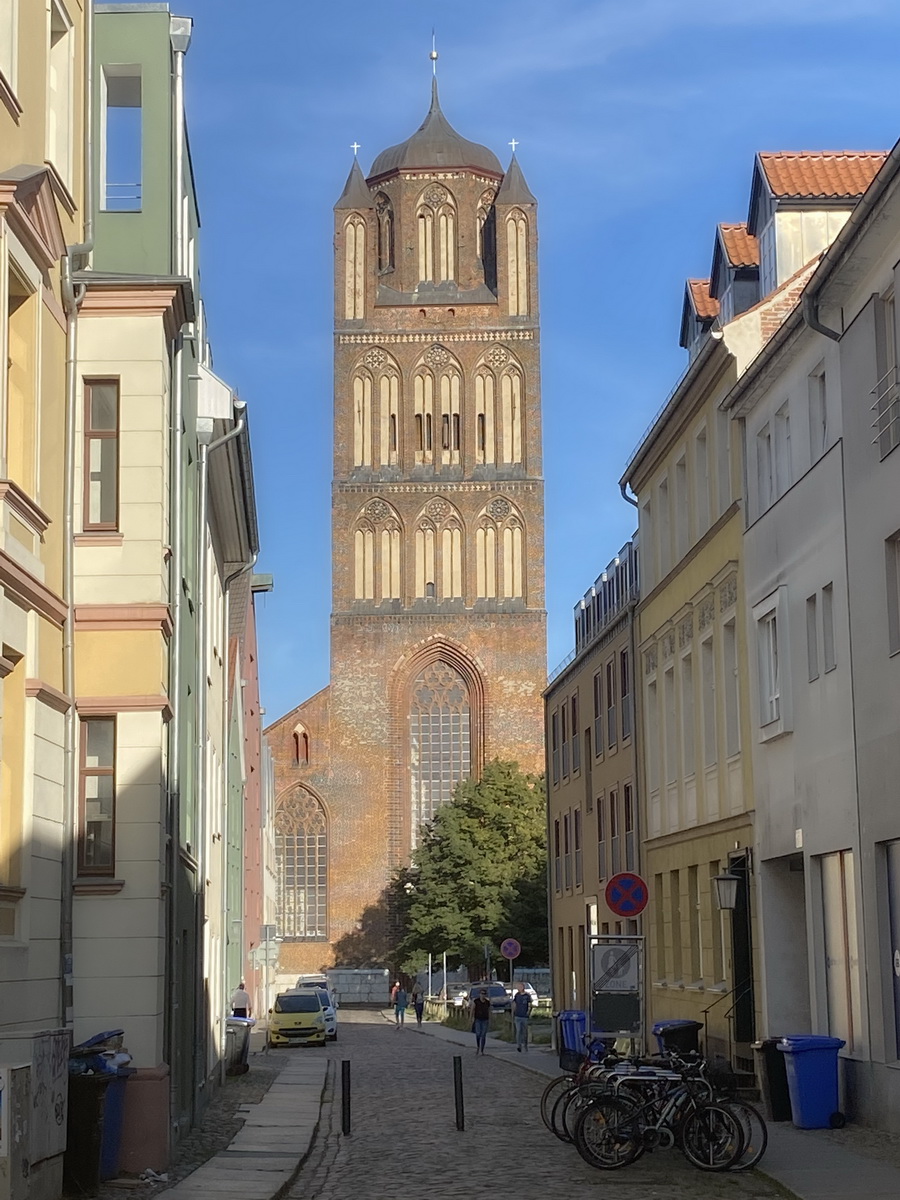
x=296, y=1018
x=497, y=995
x=512, y=988
x=456, y=993
x=327, y=1007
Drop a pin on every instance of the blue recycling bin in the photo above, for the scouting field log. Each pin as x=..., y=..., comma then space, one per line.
x=812, y=1075
x=572, y=1026
x=113, y=1119
x=680, y=1035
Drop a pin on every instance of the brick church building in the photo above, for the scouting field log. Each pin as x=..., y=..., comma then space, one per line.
x=438, y=641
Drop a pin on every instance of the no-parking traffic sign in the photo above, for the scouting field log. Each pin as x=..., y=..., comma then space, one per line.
x=626, y=894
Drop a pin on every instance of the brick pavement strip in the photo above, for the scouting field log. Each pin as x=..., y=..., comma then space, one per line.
x=404, y=1137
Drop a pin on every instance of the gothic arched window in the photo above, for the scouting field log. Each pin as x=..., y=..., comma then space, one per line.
x=486, y=561
x=513, y=573
x=485, y=451
x=517, y=259
x=390, y=562
x=354, y=268
x=301, y=863
x=451, y=561
x=389, y=389
x=487, y=238
x=301, y=747
x=436, y=226
x=362, y=421
x=385, y=214
x=364, y=563
x=511, y=410
x=425, y=561
x=440, y=724
x=424, y=416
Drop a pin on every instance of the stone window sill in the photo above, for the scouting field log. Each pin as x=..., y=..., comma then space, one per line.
x=97, y=887
x=99, y=539
x=10, y=893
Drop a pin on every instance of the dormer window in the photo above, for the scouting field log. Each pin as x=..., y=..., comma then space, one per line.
x=698, y=312
x=734, y=277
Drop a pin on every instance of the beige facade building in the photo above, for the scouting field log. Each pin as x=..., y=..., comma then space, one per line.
x=592, y=795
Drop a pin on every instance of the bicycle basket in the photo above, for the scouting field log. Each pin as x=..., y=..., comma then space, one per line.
x=570, y=1060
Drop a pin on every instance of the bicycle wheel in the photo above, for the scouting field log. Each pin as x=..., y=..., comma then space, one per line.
x=572, y=1104
x=712, y=1138
x=753, y=1130
x=607, y=1133
x=558, y=1115
x=552, y=1092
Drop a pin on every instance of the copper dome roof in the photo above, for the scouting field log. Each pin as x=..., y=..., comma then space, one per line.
x=436, y=144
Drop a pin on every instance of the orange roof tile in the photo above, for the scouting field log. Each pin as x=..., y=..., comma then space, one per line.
x=826, y=174
x=705, y=306
x=741, y=247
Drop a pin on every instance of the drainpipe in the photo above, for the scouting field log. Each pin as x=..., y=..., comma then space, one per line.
x=811, y=317
x=628, y=499
x=72, y=298
x=179, y=37
x=201, y=774
x=226, y=723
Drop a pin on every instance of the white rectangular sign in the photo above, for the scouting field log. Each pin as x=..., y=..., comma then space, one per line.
x=615, y=967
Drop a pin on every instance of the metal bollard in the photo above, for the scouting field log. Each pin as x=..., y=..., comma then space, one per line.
x=345, y=1096
x=458, y=1092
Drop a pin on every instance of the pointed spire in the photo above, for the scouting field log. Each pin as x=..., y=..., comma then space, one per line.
x=355, y=193
x=514, y=189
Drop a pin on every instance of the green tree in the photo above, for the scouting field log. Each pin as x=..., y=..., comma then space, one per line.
x=479, y=872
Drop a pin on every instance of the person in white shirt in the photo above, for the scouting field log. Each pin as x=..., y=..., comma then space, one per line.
x=240, y=1001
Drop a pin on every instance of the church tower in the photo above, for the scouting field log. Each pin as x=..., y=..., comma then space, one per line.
x=438, y=639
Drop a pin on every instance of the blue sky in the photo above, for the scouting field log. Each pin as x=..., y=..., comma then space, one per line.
x=638, y=123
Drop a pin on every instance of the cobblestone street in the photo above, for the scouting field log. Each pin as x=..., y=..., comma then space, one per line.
x=404, y=1139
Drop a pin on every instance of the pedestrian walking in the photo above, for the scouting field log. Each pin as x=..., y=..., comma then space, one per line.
x=418, y=1003
x=240, y=1001
x=481, y=1019
x=400, y=1002
x=521, y=1007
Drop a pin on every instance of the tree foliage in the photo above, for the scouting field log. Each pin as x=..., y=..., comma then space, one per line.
x=479, y=872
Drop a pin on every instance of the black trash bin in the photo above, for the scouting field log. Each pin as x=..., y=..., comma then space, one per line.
x=84, y=1133
x=681, y=1036
x=771, y=1075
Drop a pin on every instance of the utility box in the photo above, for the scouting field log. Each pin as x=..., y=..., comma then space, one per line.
x=34, y=1070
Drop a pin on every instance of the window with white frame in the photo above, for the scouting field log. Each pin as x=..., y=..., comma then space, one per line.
x=818, y=413
x=60, y=79
x=8, y=37
x=665, y=532
x=892, y=579
x=783, y=469
x=765, y=468
x=687, y=715
x=682, y=509
x=773, y=671
x=708, y=701
x=732, y=707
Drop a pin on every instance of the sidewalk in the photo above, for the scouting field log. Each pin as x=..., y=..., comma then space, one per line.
x=803, y=1162
x=265, y=1156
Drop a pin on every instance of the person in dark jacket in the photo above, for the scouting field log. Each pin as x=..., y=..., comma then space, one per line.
x=481, y=1014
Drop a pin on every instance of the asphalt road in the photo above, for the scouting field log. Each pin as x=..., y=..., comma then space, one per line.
x=404, y=1141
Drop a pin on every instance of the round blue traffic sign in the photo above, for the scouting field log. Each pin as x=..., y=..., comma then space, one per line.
x=626, y=894
x=510, y=948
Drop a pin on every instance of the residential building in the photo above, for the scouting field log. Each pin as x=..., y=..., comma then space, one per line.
x=818, y=415
x=729, y=541
x=592, y=797
x=165, y=527
x=42, y=225
x=438, y=626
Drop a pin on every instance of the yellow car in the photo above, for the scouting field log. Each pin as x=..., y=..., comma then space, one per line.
x=297, y=1018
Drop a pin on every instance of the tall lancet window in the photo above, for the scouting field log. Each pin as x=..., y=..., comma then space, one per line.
x=485, y=450
x=440, y=734
x=511, y=409
x=513, y=573
x=450, y=417
x=517, y=259
x=390, y=561
x=301, y=863
x=451, y=561
x=362, y=421
x=425, y=562
x=423, y=416
x=436, y=226
x=355, y=269
x=364, y=563
x=487, y=238
x=389, y=391
x=486, y=561
x=384, y=213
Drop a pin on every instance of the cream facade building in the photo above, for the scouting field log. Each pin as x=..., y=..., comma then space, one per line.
x=592, y=797
x=42, y=219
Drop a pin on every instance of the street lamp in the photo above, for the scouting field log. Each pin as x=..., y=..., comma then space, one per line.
x=726, y=891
